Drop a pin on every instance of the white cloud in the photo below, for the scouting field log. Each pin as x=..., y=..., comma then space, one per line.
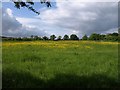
x=13, y=27
x=9, y=12
x=83, y=18
x=68, y=18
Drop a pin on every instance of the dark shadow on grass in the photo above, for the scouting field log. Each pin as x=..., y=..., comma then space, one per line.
x=26, y=80
x=74, y=81
x=20, y=80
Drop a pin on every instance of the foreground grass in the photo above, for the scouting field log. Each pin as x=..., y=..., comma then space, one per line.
x=42, y=64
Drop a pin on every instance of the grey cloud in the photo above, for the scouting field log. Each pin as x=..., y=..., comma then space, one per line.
x=74, y=17
x=87, y=18
x=9, y=23
x=104, y=18
x=12, y=27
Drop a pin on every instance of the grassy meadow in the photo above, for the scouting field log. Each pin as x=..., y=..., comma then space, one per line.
x=57, y=64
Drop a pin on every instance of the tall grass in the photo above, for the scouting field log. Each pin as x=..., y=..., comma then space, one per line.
x=57, y=64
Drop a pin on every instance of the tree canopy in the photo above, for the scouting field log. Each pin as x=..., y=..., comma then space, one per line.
x=52, y=37
x=84, y=37
x=92, y=37
x=29, y=4
x=74, y=37
x=66, y=37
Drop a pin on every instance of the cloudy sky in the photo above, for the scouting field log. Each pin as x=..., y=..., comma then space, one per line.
x=62, y=18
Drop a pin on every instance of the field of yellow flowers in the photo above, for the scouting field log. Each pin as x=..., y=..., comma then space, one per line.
x=39, y=64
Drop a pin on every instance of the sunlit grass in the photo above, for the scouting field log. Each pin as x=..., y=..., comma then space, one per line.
x=60, y=64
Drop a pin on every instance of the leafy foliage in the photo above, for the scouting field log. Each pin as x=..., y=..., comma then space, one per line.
x=66, y=37
x=93, y=37
x=52, y=37
x=84, y=37
x=29, y=4
x=45, y=38
x=59, y=38
x=74, y=37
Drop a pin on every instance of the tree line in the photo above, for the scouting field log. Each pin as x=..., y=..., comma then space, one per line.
x=93, y=37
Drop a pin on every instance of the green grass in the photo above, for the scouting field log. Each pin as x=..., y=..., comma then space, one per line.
x=58, y=64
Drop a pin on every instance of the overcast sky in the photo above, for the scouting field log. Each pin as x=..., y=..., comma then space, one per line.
x=62, y=18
